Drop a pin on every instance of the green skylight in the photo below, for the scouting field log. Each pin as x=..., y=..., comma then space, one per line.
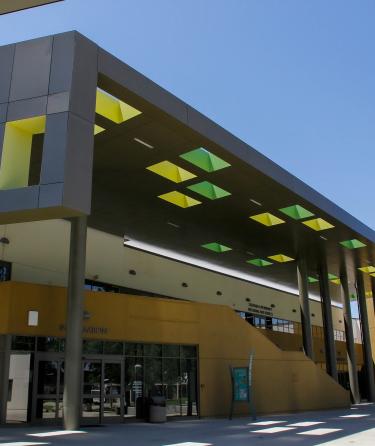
x=296, y=212
x=352, y=244
x=311, y=279
x=216, y=247
x=209, y=190
x=204, y=159
x=259, y=262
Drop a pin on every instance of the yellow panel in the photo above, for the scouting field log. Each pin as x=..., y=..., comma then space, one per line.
x=318, y=224
x=15, y=159
x=281, y=258
x=367, y=269
x=98, y=129
x=113, y=109
x=31, y=125
x=179, y=199
x=267, y=219
x=170, y=171
x=336, y=281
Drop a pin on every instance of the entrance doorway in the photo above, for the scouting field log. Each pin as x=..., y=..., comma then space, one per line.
x=103, y=391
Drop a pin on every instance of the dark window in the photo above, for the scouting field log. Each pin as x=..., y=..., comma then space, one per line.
x=188, y=351
x=171, y=351
x=5, y=271
x=113, y=348
x=152, y=350
x=25, y=343
x=48, y=344
x=92, y=347
x=133, y=349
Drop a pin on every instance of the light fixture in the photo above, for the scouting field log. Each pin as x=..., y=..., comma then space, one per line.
x=255, y=202
x=173, y=224
x=144, y=143
x=323, y=238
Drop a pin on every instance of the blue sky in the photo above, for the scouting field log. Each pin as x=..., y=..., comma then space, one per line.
x=293, y=78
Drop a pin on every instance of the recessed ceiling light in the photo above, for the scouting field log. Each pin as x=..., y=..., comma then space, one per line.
x=149, y=146
x=255, y=202
x=323, y=238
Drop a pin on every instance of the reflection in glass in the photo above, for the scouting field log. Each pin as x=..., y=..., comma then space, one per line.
x=133, y=349
x=153, y=377
x=188, y=387
x=92, y=347
x=48, y=344
x=152, y=350
x=133, y=385
x=172, y=385
x=47, y=377
x=46, y=408
x=113, y=348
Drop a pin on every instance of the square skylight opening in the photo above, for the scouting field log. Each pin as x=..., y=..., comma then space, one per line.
x=352, y=244
x=296, y=212
x=204, y=159
x=318, y=224
x=259, y=262
x=216, y=247
x=367, y=269
x=267, y=219
x=209, y=190
x=179, y=199
x=281, y=258
x=171, y=171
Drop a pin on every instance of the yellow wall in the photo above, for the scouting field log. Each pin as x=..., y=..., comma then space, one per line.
x=283, y=380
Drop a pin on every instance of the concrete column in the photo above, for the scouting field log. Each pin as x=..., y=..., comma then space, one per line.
x=366, y=339
x=73, y=342
x=329, y=338
x=350, y=346
x=305, y=308
x=5, y=346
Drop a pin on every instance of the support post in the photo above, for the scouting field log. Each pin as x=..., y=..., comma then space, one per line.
x=305, y=308
x=366, y=338
x=350, y=346
x=329, y=338
x=5, y=347
x=73, y=342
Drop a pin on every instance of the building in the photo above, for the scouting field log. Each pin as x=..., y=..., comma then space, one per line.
x=8, y=6
x=171, y=248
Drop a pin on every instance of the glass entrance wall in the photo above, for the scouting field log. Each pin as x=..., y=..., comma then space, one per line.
x=117, y=378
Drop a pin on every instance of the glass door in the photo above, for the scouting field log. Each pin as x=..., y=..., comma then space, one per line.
x=92, y=391
x=48, y=388
x=113, y=401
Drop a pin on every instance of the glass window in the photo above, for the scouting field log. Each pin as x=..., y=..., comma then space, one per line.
x=133, y=349
x=47, y=377
x=48, y=344
x=113, y=348
x=133, y=385
x=172, y=385
x=26, y=343
x=153, y=377
x=188, y=387
x=152, y=350
x=92, y=347
x=188, y=351
x=171, y=351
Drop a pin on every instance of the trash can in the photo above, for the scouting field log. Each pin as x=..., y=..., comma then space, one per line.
x=157, y=409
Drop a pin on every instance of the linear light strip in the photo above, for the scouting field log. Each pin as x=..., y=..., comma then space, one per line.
x=152, y=249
